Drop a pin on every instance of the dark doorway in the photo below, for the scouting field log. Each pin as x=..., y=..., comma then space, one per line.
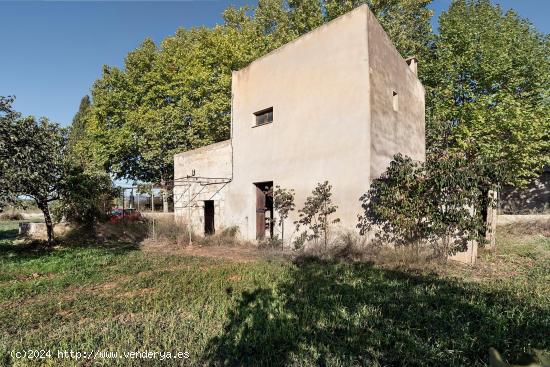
x=209, y=217
x=264, y=210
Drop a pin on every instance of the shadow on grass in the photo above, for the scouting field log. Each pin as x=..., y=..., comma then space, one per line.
x=8, y=233
x=331, y=314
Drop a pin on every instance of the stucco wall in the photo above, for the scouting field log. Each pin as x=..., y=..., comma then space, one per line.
x=318, y=87
x=331, y=93
x=392, y=132
x=209, y=181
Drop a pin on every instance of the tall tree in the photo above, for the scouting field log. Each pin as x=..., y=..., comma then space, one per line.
x=407, y=22
x=77, y=131
x=177, y=96
x=488, y=89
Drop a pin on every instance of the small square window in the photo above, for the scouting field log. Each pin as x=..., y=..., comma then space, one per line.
x=395, y=101
x=264, y=116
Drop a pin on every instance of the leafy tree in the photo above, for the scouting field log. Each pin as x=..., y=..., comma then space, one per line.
x=31, y=161
x=283, y=203
x=7, y=115
x=395, y=206
x=488, y=86
x=84, y=197
x=77, y=131
x=34, y=164
x=164, y=102
x=177, y=96
x=132, y=133
x=433, y=202
x=407, y=22
x=316, y=212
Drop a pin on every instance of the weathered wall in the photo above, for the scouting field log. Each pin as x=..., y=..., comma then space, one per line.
x=318, y=87
x=331, y=93
x=209, y=163
x=392, y=132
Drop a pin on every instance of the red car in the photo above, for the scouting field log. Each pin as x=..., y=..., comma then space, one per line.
x=129, y=214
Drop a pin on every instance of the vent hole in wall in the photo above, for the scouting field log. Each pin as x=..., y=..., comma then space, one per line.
x=395, y=101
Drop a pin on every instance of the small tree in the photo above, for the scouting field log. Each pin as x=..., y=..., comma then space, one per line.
x=283, y=203
x=34, y=164
x=83, y=196
x=31, y=161
x=435, y=202
x=316, y=212
x=395, y=207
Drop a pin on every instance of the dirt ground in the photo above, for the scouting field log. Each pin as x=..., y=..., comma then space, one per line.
x=235, y=253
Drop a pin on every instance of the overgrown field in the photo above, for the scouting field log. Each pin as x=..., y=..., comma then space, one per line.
x=116, y=298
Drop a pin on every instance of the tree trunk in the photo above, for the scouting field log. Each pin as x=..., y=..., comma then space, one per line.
x=43, y=206
x=164, y=200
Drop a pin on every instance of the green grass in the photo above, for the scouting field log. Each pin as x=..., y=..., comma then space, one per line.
x=118, y=298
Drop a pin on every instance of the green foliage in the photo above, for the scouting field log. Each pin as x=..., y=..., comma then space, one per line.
x=85, y=196
x=34, y=162
x=31, y=159
x=433, y=202
x=77, y=132
x=396, y=204
x=488, y=84
x=316, y=212
x=407, y=22
x=177, y=96
x=283, y=203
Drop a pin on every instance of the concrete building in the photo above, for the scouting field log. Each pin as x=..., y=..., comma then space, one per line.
x=335, y=104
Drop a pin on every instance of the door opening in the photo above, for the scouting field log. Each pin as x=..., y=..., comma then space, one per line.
x=264, y=210
x=209, y=217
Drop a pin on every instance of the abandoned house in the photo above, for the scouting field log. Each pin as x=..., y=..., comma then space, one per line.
x=335, y=104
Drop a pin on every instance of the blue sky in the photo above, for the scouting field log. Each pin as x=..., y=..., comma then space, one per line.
x=51, y=52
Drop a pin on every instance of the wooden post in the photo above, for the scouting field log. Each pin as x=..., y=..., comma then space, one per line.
x=152, y=200
x=189, y=214
x=490, y=235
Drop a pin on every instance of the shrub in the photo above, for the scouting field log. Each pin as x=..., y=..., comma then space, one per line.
x=316, y=212
x=436, y=203
x=169, y=229
x=284, y=204
x=226, y=237
x=84, y=196
x=270, y=243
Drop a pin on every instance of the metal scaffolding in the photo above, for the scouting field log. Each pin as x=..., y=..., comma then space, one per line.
x=188, y=182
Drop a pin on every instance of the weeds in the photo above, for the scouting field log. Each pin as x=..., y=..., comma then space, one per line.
x=170, y=230
x=226, y=237
x=531, y=228
x=11, y=216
